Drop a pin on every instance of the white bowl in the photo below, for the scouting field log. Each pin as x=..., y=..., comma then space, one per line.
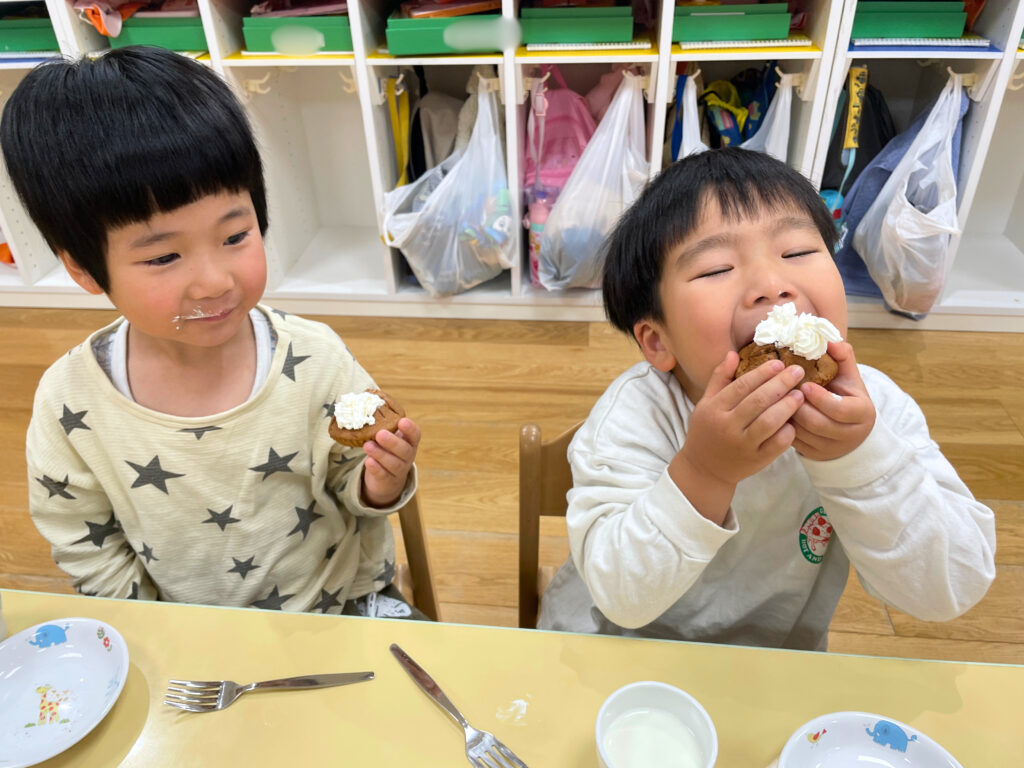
x=661, y=718
x=858, y=739
x=59, y=680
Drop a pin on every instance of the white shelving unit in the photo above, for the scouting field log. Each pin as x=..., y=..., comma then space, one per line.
x=329, y=157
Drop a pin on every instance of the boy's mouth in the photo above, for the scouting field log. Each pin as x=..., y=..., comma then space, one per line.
x=200, y=314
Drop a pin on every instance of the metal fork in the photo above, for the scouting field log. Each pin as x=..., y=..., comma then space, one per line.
x=211, y=695
x=482, y=749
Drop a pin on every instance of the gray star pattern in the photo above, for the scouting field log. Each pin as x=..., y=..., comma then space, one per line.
x=72, y=421
x=330, y=551
x=388, y=574
x=274, y=463
x=242, y=567
x=281, y=313
x=273, y=601
x=306, y=518
x=290, y=361
x=200, y=431
x=98, y=532
x=328, y=410
x=152, y=474
x=223, y=519
x=327, y=600
x=135, y=591
x=147, y=552
x=55, y=487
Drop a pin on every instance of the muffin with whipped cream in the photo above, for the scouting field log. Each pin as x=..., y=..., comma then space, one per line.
x=359, y=416
x=795, y=340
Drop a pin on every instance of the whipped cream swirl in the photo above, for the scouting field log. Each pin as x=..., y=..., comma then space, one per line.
x=356, y=409
x=805, y=334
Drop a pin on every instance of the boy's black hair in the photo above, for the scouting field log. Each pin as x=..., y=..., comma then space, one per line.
x=95, y=144
x=670, y=208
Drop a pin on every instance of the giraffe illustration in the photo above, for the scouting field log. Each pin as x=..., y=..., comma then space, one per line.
x=49, y=702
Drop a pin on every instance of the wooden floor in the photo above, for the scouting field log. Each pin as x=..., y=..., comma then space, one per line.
x=470, y=384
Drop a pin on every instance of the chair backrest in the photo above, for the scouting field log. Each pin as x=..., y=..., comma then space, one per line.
x=544, y=480
x=414, y=536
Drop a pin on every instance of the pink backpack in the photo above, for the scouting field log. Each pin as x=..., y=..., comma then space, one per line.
x=557, y=131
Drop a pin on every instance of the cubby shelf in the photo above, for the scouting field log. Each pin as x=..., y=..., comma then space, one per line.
x=329, y=156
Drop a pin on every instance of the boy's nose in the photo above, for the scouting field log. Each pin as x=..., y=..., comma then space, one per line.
x=210, y=280
x=769, y=290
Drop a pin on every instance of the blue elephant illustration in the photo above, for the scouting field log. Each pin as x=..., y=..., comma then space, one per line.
x=891, y=735
x=49, y=634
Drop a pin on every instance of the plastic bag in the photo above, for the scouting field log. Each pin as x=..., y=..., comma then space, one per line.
x=604, y=182
x=772, y=137
x=686, y=98
x=904, y=236
x=454, y=223
x=607, y=179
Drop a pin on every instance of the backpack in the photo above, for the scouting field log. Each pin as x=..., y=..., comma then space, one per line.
x=558, y=128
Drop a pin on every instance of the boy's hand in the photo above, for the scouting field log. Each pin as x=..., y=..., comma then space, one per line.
x=832, y=423
x=738, y=428
x=389, y=457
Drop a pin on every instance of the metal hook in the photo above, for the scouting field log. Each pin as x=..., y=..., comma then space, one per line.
x=348, y=82
x=252, y=85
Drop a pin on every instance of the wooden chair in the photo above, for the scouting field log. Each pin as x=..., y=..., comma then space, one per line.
x=414, y=580
x=544, y=479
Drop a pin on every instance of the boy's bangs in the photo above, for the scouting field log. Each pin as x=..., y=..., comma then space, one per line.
x=174, y=171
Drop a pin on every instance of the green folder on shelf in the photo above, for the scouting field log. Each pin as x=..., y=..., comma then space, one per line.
x=258, y=31
x=909, y=18
x=608, y=24
x=175, y=33
x=27, y=35
x=762, y=21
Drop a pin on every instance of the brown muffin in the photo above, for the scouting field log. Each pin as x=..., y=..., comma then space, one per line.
x=385, y=417
x=820, y=371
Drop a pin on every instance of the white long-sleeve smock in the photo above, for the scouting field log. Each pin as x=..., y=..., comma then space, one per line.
x=646, y=563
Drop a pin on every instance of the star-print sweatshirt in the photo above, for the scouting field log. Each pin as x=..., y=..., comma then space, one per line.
x=644, y=562
x=256, y=506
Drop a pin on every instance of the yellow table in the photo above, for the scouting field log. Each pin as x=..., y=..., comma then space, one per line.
x=756, y=697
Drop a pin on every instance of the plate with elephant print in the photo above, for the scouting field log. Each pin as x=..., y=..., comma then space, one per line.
x=859, y=739
x=59, y=681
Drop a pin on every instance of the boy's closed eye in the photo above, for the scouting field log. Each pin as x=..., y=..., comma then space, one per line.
x=161, y=261
x=237, y=238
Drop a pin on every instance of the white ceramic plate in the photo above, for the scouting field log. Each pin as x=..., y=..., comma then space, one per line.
x=859, y=739
x=57, y=681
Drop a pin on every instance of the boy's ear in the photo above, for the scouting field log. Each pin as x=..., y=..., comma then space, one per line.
x=649, y=335
x=79, y=275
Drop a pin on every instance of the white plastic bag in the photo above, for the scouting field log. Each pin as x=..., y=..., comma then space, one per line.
x=691, y=141
x=772, y=137
x=454, y=223
x=904, y=235
x=607, y=178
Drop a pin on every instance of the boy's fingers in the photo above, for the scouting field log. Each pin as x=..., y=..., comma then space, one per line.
x=409, y=429
x=844, y=410
x=386, y=462
x=722, y=375
x=742, y=388
x=772, y=419
x=770, y=392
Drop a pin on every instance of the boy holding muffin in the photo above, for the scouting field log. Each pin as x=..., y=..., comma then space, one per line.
x=713, y=507
x=182, y=453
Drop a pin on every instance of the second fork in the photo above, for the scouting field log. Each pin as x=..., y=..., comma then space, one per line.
x=211, y=695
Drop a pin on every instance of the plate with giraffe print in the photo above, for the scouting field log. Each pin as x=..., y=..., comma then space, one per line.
x=60, y=679
x=860, y=739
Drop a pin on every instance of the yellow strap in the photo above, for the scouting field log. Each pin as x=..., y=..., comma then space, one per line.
x=858, y=84
x=398, y=107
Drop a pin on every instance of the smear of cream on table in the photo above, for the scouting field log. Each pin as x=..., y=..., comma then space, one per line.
x=514, y=713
